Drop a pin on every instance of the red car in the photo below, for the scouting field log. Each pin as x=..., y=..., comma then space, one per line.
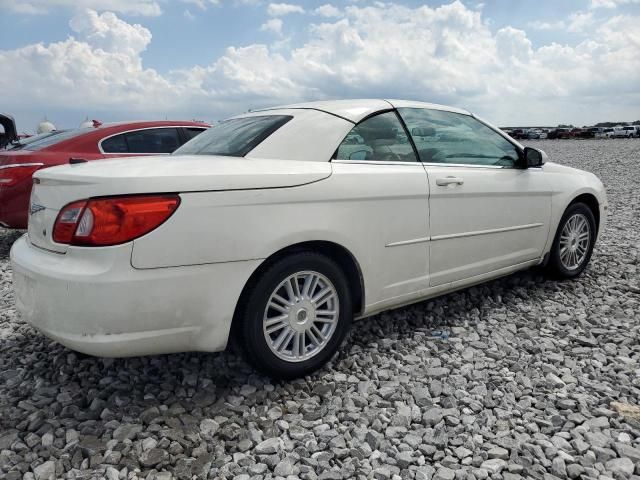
x=19, y=162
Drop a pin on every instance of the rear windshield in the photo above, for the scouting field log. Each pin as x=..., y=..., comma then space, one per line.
x=235, y=137
x=57, y=138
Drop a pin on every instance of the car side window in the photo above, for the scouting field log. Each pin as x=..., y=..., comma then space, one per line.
x=381, y=137
x=191, y=132
x=448, y=137
x=115, y=144
x=154, y=140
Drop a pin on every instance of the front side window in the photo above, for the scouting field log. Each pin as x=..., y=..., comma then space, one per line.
x=378, y=138
x=448, y=137
x=235, y=137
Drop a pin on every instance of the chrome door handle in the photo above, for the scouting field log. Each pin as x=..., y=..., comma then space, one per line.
x=443, y=182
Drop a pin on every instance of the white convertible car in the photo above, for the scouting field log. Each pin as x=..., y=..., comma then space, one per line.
x=279, y=226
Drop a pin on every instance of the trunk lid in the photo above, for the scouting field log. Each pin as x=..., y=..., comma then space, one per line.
x=57, y=186
x=10, y=131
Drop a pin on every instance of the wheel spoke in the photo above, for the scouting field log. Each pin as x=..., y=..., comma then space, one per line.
x=283, y=301
x=275, y=328
x=313, y=338
x=325, y=320
x=278, y=307
x=310, y=284
x=275, y=323
x=283, y=340
x=296, y=286
x=299, y=346
x=317, y=333
x=322, y=297
x=290, y=292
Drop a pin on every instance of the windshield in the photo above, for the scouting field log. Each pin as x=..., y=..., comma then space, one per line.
x=60, y=136
x=25, y=142
x=235, y=137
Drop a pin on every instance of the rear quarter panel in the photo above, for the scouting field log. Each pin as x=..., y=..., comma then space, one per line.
x=361, y=216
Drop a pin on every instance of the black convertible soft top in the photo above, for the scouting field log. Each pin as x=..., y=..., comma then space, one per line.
x=10, y=133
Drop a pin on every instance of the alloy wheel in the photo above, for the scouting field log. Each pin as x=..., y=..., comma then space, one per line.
x=301, y=316
x=575, y=241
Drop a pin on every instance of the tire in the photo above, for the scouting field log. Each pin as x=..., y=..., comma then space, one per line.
x=295, y=345
x=570, y=254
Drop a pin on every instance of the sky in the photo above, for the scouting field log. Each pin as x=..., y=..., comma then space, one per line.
x=512, y=62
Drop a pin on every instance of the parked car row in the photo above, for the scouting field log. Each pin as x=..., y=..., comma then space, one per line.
x=628, y=131
x=21, y=158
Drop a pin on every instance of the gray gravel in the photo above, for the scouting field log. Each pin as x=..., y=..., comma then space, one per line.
x=521, y=377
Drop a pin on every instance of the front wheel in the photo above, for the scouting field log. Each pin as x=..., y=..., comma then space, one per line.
x=296, y=315
x=574, y=241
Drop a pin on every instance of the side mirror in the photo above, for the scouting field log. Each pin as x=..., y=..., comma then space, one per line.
x=423, y=132
x=534, y=157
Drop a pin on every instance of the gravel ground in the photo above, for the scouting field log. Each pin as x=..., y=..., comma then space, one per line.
x=521, y=377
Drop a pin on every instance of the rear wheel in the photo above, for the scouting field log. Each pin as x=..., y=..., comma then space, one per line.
x=574, y=241
x=296, y=316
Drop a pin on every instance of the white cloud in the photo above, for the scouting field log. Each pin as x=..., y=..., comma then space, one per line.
x=513, y=45
x=273, y=25
x=202, y=4
x=447, y=54
x=540, y=25
x=327, y=10
x=281, y=9
x=100, y=68
x=107, y=32
x=578, y=21
x=188, y=15
x=611, y=3
x=130, y=7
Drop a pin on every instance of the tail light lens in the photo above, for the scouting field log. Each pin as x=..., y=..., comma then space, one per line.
x=14, y=173
x=111, y=221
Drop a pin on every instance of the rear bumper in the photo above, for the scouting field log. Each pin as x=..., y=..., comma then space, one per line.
x=92, y=300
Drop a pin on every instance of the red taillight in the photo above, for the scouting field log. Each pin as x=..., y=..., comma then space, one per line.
x=112, y=221
x=12, y=174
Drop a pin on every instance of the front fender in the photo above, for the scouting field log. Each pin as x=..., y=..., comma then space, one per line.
x=567, y=184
